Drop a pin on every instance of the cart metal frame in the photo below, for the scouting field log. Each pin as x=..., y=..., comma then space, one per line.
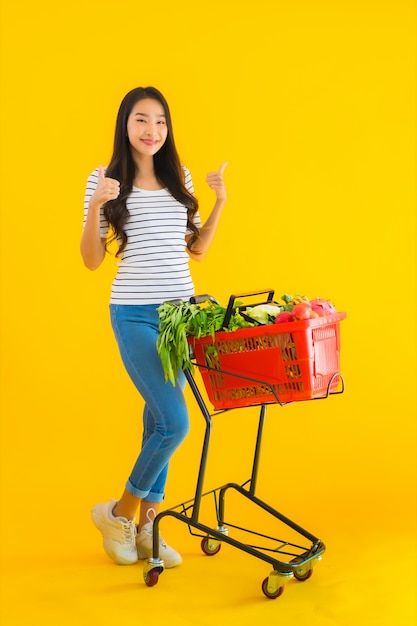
x=299, y=559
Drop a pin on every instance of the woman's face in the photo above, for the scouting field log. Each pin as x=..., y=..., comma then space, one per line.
x=147, y=127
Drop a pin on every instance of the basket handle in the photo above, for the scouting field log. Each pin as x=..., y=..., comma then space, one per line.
x=232, y=299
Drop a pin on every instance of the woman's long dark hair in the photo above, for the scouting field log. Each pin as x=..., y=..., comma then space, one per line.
x=168, y=169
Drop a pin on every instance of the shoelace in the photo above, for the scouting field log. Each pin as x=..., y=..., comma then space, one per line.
x=129, y=531
x=152, y=516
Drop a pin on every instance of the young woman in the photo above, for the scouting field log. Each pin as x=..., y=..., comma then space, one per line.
x=145, y=200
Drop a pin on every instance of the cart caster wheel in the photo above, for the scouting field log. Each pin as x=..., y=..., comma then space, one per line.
x=151, y=570
x=151, y=578
x=303, y=575
x=305, y=571
x=270, y=592
x=209, y=546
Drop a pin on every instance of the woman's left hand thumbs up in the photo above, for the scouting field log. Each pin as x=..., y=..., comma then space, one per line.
x=216, y=182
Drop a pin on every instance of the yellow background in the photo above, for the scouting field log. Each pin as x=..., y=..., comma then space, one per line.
x=312, y=103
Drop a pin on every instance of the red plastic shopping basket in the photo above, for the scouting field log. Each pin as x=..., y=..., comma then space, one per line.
x=298, y=360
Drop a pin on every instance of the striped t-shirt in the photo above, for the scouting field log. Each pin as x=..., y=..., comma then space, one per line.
x=154, y=265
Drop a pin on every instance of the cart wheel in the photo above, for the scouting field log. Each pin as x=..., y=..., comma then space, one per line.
x=209, y=546
x=151, y=578
x=271, y=594
x=302, y=576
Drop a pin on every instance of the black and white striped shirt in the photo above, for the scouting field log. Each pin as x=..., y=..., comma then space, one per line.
x=154, y=265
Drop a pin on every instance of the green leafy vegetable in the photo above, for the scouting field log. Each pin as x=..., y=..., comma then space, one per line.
x=177, y=322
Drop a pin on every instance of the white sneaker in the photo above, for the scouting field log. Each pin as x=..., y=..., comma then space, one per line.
x=118, y=534
x=144, y=547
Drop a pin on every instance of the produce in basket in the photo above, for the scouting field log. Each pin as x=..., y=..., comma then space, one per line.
x=299, y=308
x=323, y=306
x=177, y=322
x=264, y=313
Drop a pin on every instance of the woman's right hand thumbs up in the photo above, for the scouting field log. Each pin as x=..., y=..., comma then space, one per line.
x=107, y=188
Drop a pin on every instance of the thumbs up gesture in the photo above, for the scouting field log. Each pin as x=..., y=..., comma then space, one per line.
x=107, y=188
x=216, y=182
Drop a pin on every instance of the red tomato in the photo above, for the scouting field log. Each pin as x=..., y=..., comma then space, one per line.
x=301, y=311
x=283, y=317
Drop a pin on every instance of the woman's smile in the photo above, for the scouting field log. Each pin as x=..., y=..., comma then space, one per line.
x=147, y=127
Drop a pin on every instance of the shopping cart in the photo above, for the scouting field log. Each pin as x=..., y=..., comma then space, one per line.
x=256, y=366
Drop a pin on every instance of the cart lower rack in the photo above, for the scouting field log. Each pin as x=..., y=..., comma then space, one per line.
x=273, y=364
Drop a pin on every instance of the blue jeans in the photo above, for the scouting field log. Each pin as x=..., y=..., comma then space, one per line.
x=165, y=416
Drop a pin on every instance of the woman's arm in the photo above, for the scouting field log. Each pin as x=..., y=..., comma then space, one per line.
x=208, y=230
x=92, y=246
